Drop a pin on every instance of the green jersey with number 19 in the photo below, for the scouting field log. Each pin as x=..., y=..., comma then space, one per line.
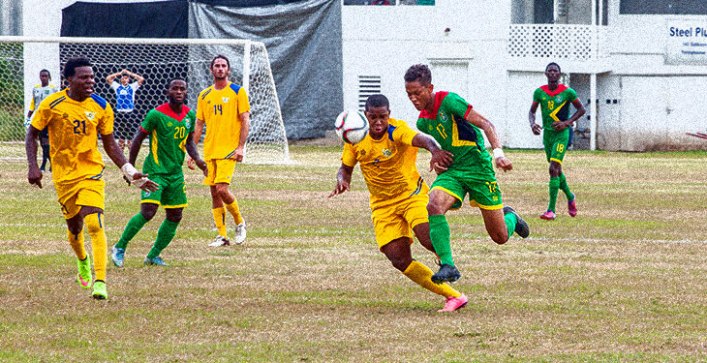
x=168, y=133
x=448, y=125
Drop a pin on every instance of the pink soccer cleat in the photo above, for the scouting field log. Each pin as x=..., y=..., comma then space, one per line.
x=454, y=304
x=572, y=207
x=548, y=216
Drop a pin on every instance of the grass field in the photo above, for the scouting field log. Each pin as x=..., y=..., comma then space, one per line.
x=625, y=281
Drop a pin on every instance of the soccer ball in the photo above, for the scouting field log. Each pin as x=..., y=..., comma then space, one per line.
x=351, y=126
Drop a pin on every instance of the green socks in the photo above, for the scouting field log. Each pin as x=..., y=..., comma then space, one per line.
x=134, y=226
x=554, y=188
x=164, y=236
x=565, y=187
x=511, y=222
x=439, y=233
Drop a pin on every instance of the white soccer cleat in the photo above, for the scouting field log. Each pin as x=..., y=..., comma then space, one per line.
x=240, y=233
x=220, y=241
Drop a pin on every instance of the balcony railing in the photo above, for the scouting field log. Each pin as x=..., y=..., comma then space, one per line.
x=575, y=42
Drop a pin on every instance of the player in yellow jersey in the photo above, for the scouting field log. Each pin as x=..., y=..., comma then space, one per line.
x=75, y=117
x=398, y=195
x=224, y=108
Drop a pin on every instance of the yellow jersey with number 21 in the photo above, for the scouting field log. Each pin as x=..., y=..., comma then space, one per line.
x=73, y=134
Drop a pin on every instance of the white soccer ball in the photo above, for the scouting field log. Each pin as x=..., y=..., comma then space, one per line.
x=351, y=126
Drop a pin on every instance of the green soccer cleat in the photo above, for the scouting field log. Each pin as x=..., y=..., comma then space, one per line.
x=84, y=277
x=99, y=290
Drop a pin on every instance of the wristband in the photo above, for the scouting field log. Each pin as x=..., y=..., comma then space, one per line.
x=128, y=170
x=498, y=153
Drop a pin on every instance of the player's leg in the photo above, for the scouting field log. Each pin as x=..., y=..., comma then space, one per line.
x=174, y=199
x=571, y=198
x=446, y=193
x=91, y=199
x=93, y=219
x=558, y=147
x=393, y=236
x=164, y=236
x=148, y=209
x=67, y=195
x=44, y=142
x=223, y=180
x=76, y=239
x=217, y=209
x=500, y=221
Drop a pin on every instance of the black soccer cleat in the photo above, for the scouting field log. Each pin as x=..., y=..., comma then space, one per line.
x=446, y=273
x=522, y=228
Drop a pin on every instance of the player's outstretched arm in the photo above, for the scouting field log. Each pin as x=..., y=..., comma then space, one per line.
x=116, y=155
x=34, y=175
x=343, y=180
x=441, y=159
x=194, y=154
x=481, y=122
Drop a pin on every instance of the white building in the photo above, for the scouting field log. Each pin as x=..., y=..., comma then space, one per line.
x=647, y=61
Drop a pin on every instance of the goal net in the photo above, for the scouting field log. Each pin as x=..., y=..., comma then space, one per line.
x=158, y=61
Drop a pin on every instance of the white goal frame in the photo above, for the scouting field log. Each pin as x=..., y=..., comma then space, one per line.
x=44, y=52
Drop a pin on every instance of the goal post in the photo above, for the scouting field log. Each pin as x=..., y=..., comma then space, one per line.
x=156, y=60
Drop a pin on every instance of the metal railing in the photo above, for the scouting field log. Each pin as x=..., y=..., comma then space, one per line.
x=558, y=41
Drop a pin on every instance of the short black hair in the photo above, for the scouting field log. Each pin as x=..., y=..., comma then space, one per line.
x=553, y=64
x=220, y=56
x=44, y=70
x=377, y=100
x=73, y=63
x=420, y=73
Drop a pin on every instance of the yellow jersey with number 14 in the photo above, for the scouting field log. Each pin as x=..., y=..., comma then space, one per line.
x=73, y=135
x=220, y=110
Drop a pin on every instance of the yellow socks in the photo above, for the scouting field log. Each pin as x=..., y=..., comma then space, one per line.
x=77, y=244
x=220, y=221
x=94, y=224
x=422, y=275
x=235, y=212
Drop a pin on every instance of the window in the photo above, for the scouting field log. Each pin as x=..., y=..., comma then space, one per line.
x=668, y=7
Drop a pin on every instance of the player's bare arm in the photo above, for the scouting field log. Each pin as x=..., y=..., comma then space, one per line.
x=489, y=129
x=343, y=180
x=194, y=154
x=531, y=118
x=441, y=159
x=245, y=128
x=559, y=126
x=34, y=175
x=198, y=130
x=116, y=155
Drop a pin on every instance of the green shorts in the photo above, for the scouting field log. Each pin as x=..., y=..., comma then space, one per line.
x=483, y=192
x=556, y=144
x=171, y=194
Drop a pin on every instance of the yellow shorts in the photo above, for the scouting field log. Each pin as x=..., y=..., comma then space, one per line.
x=86, y=192
x=220, y=171
x=397, y=220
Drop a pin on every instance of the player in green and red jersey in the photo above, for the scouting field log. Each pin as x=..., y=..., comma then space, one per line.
x=554, y=100
x=457, y=128
x=169, y=127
